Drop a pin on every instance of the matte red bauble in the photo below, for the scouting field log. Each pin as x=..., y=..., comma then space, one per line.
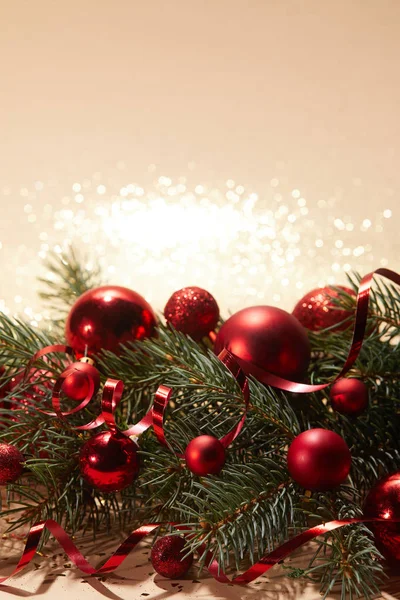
x=316, y=310
x=349, y=396
x=11, y=461
x=167, y=558
x=319, y=459
x=205, y=455
x=193, y=311
x=104, y=318
x=268, y=337
x=383, y=501
x=76, y=385
x=109, y=462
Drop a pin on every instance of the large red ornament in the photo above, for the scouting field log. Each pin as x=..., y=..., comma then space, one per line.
x=167, y=558
x=383, y=501
x=319, y=459
x=193, y=311
x=109, y=462
x=205, y=455
x=76, y=385
x=349, y=396
x=268, y=337
x=5, y=388
x=11, y=461
x=104, y=318
x=316, y=310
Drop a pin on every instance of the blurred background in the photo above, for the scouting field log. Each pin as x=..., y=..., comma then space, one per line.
x=250, y=148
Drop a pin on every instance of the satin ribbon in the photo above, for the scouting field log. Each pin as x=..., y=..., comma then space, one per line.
x=255, y=571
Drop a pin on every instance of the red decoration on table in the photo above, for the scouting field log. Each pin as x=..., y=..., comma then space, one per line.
x=76, y=385
x=316, y=310
x=167, y=557
x=109, y=461
x=269, y=338
x=205, y=455
x=383, y=502
x=193, y=311
x=319, y=459
x=11, y=460
x=104, y=318
x=349, y=396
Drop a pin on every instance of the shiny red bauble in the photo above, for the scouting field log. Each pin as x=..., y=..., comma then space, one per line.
x=193, y=311
x=316, y=310
x=349, y=396
x=11, y=461
x=167, y=557
x=109, y=462
x=268, y=337
x=205, y=455
x=383, y=501
x=76, y=385
x=104, y=318
x=319, y=459
x=5, y=388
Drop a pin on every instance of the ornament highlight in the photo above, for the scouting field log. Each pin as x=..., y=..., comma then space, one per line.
x=76, y=385
x=349, y=396
x=268, y=337
x=11, y=460
x=109, y=462
x=193, y=311
x=205, y=455
x=319, y=459
x=317, y=311
x=167, y=558
x=104, y=318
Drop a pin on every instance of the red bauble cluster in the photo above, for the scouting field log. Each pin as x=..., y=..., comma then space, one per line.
x=268, y=337
x=109, y=462
x=76, y=385
x=193, y=311
x=104, y=318
x=383, y=502
x=349, y=396
x=319, y=459
x=167, y=558
x=316, y=310
x=11, y=461
x=205, y=455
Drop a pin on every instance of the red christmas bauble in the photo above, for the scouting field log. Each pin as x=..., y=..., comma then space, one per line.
x=205, y=455
x=349, y=396
x=167, y=558
x=5, y=388
x=270, y=338
x=319, y=459
x=109, y=462
x=383, y=501
x=104, y=318
x=193, y=311
x=316, y=310
x=11, y=461
x=76, y=385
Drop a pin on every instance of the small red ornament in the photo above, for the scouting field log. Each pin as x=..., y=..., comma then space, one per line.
x=109, y=462
x=205, y=455
x=76, y=385
x=268, y=337
x=167, y=558
x=319, y=459
x=316, y=310
x=11, y=461
x=383, y=501
x=104, y=318
x=349, y=396
x=193, y=311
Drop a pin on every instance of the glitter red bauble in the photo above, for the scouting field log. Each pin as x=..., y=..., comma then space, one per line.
x=104, y=318
x=205, y=455
x=383, y=501
x=167, y=558
x=76, y=385
x=268, y=337
x=319, y=459
x=109, y=462
x=11, y=461
x=349, y=396
x=316, y=310
x=193, y=311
